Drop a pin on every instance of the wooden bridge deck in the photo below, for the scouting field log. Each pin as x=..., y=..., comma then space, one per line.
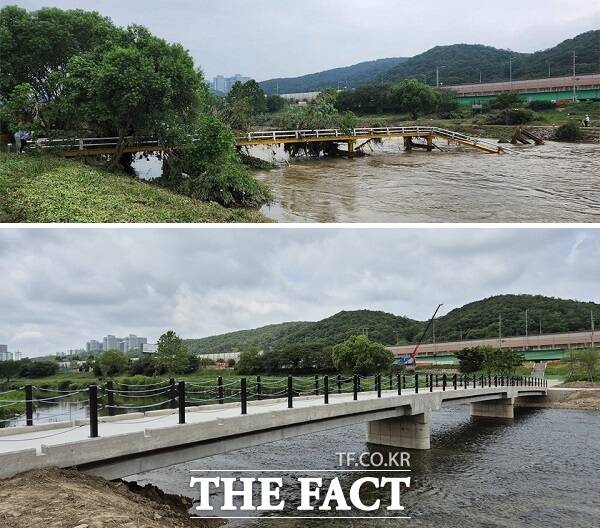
x=95, y=146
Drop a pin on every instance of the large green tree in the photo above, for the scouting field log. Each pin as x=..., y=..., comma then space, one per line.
x=9, y=369
x=112, y=362
x=144, y=87
x=413, y=97
x=172, y=355
x=36, y=47
x=359, y=355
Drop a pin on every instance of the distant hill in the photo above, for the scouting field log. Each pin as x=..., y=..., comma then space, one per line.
x=480, y=319
x=460, y=64
x=476, y=320
x=463, y=62
x=349, y=76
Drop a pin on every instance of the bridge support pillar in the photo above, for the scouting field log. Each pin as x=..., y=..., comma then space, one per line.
x=351, y=145
x=408, y=432
x=429, y=143
x=494, y=409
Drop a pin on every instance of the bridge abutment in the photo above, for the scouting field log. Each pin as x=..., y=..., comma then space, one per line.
x=504, y=408
x=408, y=432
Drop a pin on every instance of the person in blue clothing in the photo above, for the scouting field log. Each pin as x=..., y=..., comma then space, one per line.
x=21, y=139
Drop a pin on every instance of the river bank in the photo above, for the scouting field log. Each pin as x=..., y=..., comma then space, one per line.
x=40, y=188
x=59, y=498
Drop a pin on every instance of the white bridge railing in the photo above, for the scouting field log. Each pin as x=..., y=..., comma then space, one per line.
x=274, y=136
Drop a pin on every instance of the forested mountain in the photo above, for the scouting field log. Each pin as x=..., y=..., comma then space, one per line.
x=475, y=320
x=480, y=319
x=462, y=63
x=459, y=64
x=345, y=77
x=264, y=337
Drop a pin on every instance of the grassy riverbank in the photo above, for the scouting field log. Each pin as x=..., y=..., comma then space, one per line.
x=39, y=188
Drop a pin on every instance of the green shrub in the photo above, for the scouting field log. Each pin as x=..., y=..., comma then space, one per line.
x=211, y=171
x=511, y=117
x=541, y=105
x=568, y=132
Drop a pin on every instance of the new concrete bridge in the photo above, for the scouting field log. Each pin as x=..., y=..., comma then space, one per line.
x=128, y=444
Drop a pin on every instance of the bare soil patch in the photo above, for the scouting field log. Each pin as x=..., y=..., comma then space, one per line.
x=59, y=498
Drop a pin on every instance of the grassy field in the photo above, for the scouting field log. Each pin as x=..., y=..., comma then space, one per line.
x=39, y=188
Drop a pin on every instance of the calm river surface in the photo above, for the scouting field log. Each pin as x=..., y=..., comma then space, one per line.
x=556, y=182
x=542, y=470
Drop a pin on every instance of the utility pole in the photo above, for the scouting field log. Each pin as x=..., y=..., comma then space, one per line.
x=500, y=330
x=480, y=77
x=592, y=318
x=510, y=70
x=574, y=74
x=527, y=329
x=437, y=77
x=549, y=71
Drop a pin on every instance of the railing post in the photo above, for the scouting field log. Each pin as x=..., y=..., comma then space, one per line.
x=416, y=383
x=181, y=401
x=399, y=382
x=489, y=380
x=379, y=385
x=290, y=392
x=29, y=404
x=173, y=393
x=474, y=381
x=244, y=395
x=502, y=381
x=355, y=387
x=326, y=389
x=436, y=381
x=444, y=383
x=258, y=388
x=317, y=385
x=220, y=390
x=430, y=382
x=93, y=401
x=454, y=381
x=110, y=397
x=339, y=384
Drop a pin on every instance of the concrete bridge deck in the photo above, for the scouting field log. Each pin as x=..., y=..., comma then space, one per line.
x=132, y=443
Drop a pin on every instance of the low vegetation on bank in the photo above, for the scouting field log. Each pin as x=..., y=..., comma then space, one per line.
x=35, y=188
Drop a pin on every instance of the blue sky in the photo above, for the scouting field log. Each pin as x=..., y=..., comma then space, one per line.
x=63, y=286
x=271, y=38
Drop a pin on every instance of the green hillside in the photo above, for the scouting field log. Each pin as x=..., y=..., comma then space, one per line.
x=476, y=320
x=480, y=319
x=463, y=62
x=265, y=337
x=346, y=77
x=460, y=64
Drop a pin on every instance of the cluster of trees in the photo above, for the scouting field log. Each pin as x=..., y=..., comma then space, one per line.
x=74, y=73
x=583, y=365
x=489, y=361
x=408, y=96
x=26, y=368
x=171, y=358
x=356, y=355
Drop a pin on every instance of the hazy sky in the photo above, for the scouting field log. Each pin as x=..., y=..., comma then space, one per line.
x=271, y=38
x=61, y=287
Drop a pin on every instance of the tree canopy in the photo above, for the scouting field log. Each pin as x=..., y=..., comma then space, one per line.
x=359, y=355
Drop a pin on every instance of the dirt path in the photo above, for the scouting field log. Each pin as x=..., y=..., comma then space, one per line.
x=57, y=498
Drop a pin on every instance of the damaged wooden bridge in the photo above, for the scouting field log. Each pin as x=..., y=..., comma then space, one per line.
x=356, y=140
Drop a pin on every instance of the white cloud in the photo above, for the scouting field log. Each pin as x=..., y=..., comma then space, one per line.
x=62, y=287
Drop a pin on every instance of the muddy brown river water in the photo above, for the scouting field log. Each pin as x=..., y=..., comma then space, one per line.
x=555, y=182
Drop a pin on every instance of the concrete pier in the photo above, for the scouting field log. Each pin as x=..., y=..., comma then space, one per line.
x=408, y=432
x=503, y=408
